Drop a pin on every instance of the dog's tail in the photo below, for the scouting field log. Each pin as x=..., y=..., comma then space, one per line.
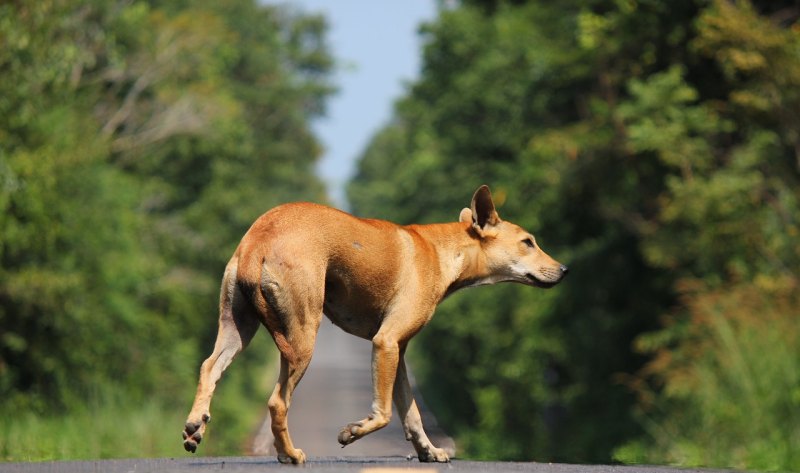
x=228, y=288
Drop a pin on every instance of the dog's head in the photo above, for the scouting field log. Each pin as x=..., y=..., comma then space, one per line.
x=511, y=253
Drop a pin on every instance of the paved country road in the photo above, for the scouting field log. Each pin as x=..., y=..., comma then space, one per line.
x=314, y=465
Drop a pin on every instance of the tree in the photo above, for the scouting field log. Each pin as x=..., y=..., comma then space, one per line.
x=725, y=228
x=139, y=141
x=647, y=145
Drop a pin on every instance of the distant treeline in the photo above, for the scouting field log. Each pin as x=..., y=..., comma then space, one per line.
x=654, y=146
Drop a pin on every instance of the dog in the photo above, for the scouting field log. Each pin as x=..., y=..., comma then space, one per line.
x=372, y=278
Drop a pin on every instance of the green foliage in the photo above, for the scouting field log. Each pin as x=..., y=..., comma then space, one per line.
x=138, y=142
x=651, y=146
x=57, y=287
x=731, y=390
x=105, y=427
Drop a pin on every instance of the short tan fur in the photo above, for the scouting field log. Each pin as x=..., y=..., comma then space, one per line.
x=374, y=279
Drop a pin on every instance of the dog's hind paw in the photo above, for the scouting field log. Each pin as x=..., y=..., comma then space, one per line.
x=190, y=441
x=433, y=454
x=193, y=433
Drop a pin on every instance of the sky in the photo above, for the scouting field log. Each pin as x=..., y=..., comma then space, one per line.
x=378, y=50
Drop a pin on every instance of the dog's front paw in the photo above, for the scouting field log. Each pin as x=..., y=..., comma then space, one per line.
x=350, y=433
x=433, y=454
x=297, y=457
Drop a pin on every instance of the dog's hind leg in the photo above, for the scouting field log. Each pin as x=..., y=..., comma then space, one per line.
x=238, y=323
x=293, y=322
x=296, y=347
x=412, y=421
x=280, y=400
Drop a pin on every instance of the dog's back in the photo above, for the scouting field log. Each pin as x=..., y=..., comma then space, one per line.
x=313, y=256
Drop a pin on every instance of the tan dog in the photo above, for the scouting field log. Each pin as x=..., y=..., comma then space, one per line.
x=374, y=279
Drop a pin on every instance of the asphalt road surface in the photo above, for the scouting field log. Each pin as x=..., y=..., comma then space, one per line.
x=321, y=465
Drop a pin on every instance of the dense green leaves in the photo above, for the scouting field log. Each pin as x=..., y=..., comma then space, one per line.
x=653, y=147
x=138, y=141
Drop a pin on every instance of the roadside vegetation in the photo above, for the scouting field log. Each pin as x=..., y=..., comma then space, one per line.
x=138, y=142
x=652, y=146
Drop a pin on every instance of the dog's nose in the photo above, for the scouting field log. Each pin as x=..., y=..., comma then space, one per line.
x=564, y=270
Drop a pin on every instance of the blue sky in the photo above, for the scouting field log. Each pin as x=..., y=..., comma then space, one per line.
x=378, y=50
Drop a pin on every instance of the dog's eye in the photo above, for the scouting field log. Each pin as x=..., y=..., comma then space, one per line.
x=529, y=243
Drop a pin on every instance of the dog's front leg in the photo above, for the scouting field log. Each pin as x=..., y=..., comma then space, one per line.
x=385, y=356
x=412, y=420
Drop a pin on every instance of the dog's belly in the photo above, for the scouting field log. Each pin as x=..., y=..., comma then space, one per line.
x=360, y=327
x=351, y=308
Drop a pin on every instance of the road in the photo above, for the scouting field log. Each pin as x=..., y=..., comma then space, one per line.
x=317, y=465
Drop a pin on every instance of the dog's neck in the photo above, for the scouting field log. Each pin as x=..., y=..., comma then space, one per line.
x=461, y=260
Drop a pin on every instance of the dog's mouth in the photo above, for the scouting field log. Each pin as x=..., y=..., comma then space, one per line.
x=539, y=283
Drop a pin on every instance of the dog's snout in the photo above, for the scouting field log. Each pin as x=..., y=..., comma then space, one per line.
x=564, y=270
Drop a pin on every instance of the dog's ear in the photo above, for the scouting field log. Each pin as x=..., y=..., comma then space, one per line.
x=483, y=212
x=465, y=216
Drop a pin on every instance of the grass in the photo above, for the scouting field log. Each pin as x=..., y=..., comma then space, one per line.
x=731, y=395
x=108, y=429
x=113, y=425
